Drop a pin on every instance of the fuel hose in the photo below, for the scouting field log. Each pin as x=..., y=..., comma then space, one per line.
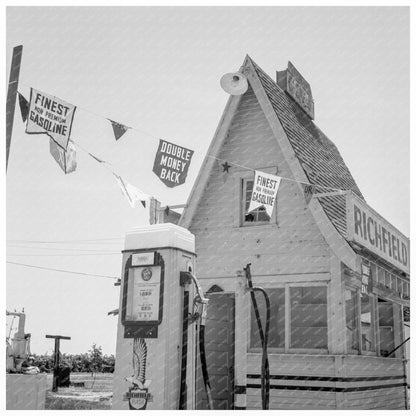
x=264, y=336
x=204, y=367
x=202, y=303
x=185, y=320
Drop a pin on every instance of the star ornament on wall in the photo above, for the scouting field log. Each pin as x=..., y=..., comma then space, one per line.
x=225, y=167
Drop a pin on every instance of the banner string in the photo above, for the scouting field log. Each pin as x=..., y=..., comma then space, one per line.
x=155, y=137
x=100, y=115
x=282, y=177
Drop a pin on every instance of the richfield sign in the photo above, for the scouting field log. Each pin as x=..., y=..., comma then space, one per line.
x=368, y=229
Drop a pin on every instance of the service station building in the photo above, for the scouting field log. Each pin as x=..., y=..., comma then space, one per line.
x=336, y=272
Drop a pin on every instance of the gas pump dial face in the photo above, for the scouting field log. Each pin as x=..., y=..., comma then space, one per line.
x=144, y=294
x=147, y=274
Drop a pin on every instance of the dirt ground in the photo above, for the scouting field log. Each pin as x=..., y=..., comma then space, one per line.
x=95, y=394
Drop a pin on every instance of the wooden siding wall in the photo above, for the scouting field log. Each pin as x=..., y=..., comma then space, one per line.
x=328, y=382
x=292, y=246
x=291, y=249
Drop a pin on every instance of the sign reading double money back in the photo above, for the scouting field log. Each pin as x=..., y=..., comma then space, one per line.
x=172, y=163
x=50, y=115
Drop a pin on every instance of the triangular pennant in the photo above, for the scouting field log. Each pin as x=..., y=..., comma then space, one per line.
x=131, y=193
x=265, y=187
x=308, y=191
x=119, y=129
x=66, y=159
x=97, y=158
x=24, y=107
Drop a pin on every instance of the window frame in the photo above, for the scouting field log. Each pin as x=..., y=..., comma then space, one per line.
x=243, y=222
x=355, y=293
x=376, y=326
x=373, y=313
x=240, y=179
x=287, y=349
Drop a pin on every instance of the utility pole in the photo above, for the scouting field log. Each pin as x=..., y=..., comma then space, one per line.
x=11, y=96
x=56, y=359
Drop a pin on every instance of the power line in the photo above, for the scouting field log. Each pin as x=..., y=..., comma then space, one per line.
x=62, y=249
x=66, y=241
x=60, y=270
x=62, y=255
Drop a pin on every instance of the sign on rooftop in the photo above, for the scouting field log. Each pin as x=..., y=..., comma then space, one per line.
x=370, y=230
x=300, y=90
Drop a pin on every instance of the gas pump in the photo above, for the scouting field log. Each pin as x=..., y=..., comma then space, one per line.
x=155, y=352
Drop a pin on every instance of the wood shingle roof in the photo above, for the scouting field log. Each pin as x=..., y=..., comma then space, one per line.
x=318, y=156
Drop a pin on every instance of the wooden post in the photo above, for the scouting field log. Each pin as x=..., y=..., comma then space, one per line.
x=56, y=359
x=11, y=96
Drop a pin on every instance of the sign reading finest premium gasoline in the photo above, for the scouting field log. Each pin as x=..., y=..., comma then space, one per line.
x=50, y=115
x=265, y=188
x=369, y=229
x=172, y=163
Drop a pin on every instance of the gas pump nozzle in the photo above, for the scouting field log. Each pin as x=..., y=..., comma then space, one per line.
x=200, y=302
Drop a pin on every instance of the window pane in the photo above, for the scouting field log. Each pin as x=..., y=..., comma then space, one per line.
x=367, y=324
x=351, y=314
x=386, y=327
x=308, y=317
x=277, y=319
x=258, y=214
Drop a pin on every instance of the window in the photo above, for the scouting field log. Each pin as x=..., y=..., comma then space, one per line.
x=277, y=319
x=367, y=323
x=308, y=317
x=351, y=316
x=386, y=327
x=305, y=320
x=259, y=215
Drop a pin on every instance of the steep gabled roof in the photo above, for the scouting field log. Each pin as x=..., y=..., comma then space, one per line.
x=318, y=156
x=311, y=155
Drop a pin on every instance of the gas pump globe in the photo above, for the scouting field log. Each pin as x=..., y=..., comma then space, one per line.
x=155, y=361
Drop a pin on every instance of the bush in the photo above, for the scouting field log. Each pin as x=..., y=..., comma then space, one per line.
x=90, y=362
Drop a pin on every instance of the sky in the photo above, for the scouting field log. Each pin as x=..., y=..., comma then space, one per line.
x=158, y=70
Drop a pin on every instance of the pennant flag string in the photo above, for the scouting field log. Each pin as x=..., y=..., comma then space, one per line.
x=24, y=107
x=66, y=159
x=119, y=129
x=107, y=118
x=132, y=194
x=96, y=158
x=227, y=163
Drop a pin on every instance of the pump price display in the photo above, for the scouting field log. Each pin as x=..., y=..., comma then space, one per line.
x=143, y=294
